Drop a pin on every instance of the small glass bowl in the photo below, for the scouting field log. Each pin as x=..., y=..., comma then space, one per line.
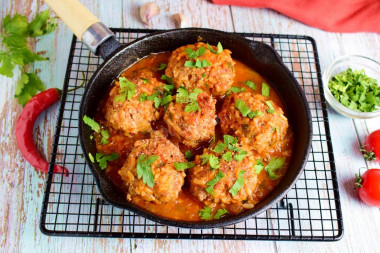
x=355, y=62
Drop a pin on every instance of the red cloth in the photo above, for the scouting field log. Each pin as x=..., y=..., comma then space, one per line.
x=329, y=15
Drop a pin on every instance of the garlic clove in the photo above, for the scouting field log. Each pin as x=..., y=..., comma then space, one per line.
x=181, y=21
x=148, y=11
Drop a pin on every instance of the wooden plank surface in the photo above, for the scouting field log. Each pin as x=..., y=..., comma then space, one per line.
x=21, y=187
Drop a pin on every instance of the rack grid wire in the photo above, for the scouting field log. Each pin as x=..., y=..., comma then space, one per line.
x=72, y=206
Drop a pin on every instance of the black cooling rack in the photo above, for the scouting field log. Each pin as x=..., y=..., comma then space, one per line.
x=72, y=205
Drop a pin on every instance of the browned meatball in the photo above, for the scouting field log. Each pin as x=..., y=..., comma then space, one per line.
x=133, y=116
x=215, y=79
x=192, y=128
x=200, y=175
x=264, y=133
x=167, y=180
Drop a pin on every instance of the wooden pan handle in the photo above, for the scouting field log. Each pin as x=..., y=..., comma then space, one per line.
x=75, y=15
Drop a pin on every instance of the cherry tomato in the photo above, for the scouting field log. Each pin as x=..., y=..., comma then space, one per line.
x=371, y=148
x=368, y=186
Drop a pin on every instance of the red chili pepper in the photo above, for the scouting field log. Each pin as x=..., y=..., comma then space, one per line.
x=24, y=129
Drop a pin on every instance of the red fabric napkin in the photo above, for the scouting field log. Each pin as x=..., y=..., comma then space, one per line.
x=329, y=15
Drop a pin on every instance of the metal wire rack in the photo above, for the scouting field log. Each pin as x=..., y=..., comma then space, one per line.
x=72, y=205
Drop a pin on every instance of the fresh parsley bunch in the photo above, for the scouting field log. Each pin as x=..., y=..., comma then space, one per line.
x=16, y=31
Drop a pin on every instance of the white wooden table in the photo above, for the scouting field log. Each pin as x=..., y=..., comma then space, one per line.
x=21, y=187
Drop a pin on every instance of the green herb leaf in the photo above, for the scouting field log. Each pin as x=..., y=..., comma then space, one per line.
x=91, y=123
x=182, y=95
x=105, y=135
x=192, y=107
x=91, y=157
x=145, y=80
x=250, y=84
x=211, y=159
x=219, y=147
x=195, y=54
x=189, y=154
x=103, y=159
x=274, y=165
x=168, y=87
x=265, y=90
x=168, y=79
x=7, y=65
x=240, y=157
x=144, y=169
x=42, y=24
x=28, y=87
x=205, y=213
x=242, y=107
x=219, y=46
x=228, y=139
x=15, y=25
x=213, y=182
x=220, y=213
x=162, y=66
x=184, y=165
x=127, y=87
x=166, y=99
x=270, y=106
x=197, y=64
x=238, y=184
x=235, y=90
x=259, y=166
x=227, y=156
x=143, y=97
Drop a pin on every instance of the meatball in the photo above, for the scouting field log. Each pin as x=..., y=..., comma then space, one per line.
x=131, y=115
x=167, y=180
x=263, y=133
x=192, y=128
x=216, y=79
x=201, y=174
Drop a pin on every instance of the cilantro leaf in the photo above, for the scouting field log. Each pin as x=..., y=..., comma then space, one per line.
x=195, y=54
x=103, y=159
x=205, y=213
x=14, y=40
x=220, y=213
x=162, y=66
x=235, y=90
x=213, y=182
x=250, y=84
x=143, y=97
x=219, y=147
x=197, y=64
x=168, y=79
x=15, y=25
x=274, y=165
x=227, y=156
x=259, y=166
x=23, y=56
x=211, y=159
x=127, y=90
x=228, y=139
x=239, y=157
x=166, y=100
x=238, y=184
x=7, y=65
x=189, y=154
x=42, y=24
x=28, y=87
x=183, y=96
x=91, y=123
x=244, y=109
x=144, y=169
x=265, y=90
x=192, y=107
x=184, y=165
x=105, y=135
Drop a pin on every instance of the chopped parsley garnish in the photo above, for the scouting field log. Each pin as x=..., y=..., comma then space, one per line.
x=195, y=54
x=220, y=213
x=239, y=157
x=250, y=84
x=188, y=154
x=259, y=166
x=274, y=165
x=157, y=101
x=265, y=89
x=184, y=165
x=205, y=213
x=91, y=123
x=144, y=169
x=168, y=79
x=162, y=66
x=168, y=87
x=355, y=90
x=103, y=159
x=143, y=96
x=219, y=46
x=91, y=157
x=145, y=80
x=227, y=156
x=166, y=99
x=244, y=109
x=211, y=159
x=238, y=184
x=183, y=96
x=204, y=75
x=212, y=183
x=197, y=64
x=219, y=148
x=127, y=90
x=270, y=106
x=235, y=90
x=105, y=135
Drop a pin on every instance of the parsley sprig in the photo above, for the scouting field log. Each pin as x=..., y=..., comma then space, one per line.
x=184, y=165
x=195, y=54
x=160, y=97
x=245, y=111
x=103, y=159
x=184, y=96
x=274, y=165
x=127, y=90
x=95, y=126
x=16, y=31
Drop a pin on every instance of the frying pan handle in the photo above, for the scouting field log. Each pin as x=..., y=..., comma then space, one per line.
x=85, y=25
